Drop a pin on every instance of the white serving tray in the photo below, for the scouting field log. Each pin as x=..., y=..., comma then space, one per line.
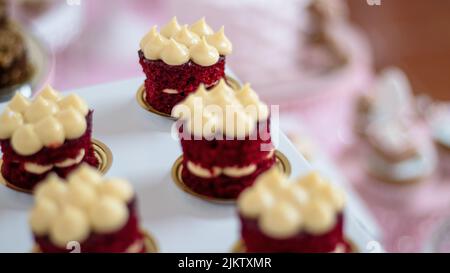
x=144, y=152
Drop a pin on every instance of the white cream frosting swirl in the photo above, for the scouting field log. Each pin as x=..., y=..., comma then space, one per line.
x=234, y=113
x=285, y=208
x=201, y=28
x=47, y=121
x=204, y=54
x=175, y=53
x=171, y=28
x=187, y=37
x=197, y=42
x=70, y=211
x=220, y=42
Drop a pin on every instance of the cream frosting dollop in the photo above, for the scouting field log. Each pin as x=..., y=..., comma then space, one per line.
x=285, y=208
x=25, y=141
x=49, y=93
x=155, y=45
x=201, y=28
x=189, y=43
x=221, y=110
x=220, y=42
x=81, y=194
x=71, y=210
x=10, y=121
x=149, y=36
x=46, y=121
x=108, y=214
x=50, y=132
x=75, y=101
x=280, y=220
x=73, y=122
x=187, y=37
x=175, y=53
x=117, y=188
x=42, y=215
x=171, y=28
x=71, y=224
x=40, y=108
x=254, y=201
x=204, y=54
x=19, y=103
x=88, y=175
x=54, y=189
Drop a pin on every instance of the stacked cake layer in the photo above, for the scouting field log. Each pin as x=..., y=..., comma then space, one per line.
x=96, y=214
x=225, y=136
x=50, y=133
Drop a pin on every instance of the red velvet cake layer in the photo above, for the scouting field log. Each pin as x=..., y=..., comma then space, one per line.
x=228, y=153
x=256, y=241
x=13, y=169
x=185, y=78
x=117, y=242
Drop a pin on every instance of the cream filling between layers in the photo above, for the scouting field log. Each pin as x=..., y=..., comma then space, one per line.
x=40, y=169
x=36, y=168
x=199, y=171
x=170, y=91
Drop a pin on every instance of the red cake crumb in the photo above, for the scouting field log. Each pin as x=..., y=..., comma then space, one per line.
x=226, y=153
x=185, y=78
x=13, y=169
x=117, y=242
x=256, y=241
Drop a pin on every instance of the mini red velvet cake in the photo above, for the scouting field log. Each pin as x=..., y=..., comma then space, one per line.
x=180, y=58
x=49, y=134
x=302, y=216
x=97, y=214
x=225, y=137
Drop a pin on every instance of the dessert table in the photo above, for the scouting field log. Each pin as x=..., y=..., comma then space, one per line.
x=144, y=150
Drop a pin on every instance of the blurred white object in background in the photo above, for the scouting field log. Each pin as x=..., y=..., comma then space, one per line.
x=57, y=22
x=393, y=95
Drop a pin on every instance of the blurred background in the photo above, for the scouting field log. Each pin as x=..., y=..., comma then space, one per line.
x=324, y=62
